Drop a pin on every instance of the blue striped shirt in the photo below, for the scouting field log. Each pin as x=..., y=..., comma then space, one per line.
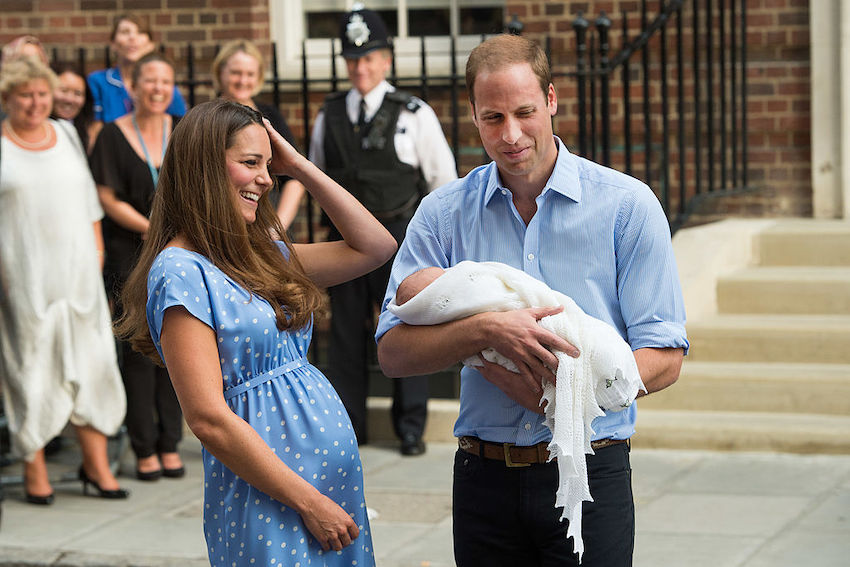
x=598, y=236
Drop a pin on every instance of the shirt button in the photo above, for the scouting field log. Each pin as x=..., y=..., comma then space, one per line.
x=531, y=257
x=504, y=192
x=527, y=426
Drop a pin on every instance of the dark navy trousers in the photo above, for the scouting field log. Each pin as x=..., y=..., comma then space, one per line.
x=507, y=516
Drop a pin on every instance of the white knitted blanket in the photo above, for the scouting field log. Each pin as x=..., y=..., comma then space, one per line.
x=605, y=374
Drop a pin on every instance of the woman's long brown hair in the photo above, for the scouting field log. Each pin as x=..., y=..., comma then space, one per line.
x=194, y=199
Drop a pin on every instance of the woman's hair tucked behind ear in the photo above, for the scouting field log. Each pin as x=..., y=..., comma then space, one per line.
x=194, y=199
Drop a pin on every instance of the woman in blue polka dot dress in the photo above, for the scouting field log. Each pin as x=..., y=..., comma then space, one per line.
x=227, y=303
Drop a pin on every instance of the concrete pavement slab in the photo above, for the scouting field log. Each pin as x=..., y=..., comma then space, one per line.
x=692, y=550
x=762, y=473
x=720, y=514
x=693, y=508
x=803, y=548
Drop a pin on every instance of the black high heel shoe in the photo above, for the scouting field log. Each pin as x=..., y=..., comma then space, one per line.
x=149, y=476
x=116, y=494
x=179, y=472
x=40, y=500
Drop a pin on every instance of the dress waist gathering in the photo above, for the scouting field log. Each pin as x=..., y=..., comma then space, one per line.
x=265, y=377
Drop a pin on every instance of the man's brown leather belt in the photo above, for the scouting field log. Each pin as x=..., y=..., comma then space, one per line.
x=517, y=456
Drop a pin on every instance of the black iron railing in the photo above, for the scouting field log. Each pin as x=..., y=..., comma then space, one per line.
x=678, y=123
x=704, y=155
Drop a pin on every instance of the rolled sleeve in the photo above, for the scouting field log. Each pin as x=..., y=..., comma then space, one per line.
x=648, y=282
x=423, y=246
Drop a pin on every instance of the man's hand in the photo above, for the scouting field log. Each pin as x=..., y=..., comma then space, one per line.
x=517, y=335
x=513, y=385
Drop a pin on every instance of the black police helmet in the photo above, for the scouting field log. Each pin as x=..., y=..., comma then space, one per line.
x=362, y=31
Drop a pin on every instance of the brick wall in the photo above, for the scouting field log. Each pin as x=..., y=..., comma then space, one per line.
x=66, y=25
x=778, y=77
x=778, y=96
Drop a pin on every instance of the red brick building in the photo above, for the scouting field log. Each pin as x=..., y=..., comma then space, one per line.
x=779, y=91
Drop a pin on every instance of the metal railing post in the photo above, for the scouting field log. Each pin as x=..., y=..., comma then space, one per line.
x=603, y=24
x=580, y=26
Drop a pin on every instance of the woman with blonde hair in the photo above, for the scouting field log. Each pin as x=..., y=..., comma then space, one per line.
x=237, y=75
x=23, y=46
x=227, y=302
x=57, y=354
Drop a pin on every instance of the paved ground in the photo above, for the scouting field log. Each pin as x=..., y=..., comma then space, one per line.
x=694, y=509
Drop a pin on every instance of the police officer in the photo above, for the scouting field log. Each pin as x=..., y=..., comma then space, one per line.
x=388, y=149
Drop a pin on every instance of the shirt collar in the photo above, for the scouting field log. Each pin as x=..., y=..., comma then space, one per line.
x=113, y=77
x=564, y=179
x=373, y=99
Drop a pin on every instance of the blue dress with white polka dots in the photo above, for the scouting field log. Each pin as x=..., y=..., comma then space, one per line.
x=269, y=383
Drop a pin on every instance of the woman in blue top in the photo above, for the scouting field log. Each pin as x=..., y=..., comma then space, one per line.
x=111, y=90
x=227, y=302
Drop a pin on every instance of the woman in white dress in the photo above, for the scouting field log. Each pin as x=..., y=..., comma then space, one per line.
x=57, y=353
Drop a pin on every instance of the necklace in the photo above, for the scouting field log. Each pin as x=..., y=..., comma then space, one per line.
x=48, y=133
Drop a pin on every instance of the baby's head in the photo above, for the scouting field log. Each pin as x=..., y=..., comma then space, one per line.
x=416, y=282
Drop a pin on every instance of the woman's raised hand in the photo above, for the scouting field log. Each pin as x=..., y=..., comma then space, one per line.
x=283, y=154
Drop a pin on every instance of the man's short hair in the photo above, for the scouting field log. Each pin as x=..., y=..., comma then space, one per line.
x=503, y=51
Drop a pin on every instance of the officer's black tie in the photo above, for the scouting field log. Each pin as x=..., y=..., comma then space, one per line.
x=361, y=118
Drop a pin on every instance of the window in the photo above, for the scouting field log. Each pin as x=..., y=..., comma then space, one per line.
x=316, y=24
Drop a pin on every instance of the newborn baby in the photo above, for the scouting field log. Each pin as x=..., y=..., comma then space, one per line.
x=604, y=375
x=611, y=364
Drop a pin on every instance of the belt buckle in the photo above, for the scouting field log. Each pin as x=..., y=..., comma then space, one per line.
x=508, y=462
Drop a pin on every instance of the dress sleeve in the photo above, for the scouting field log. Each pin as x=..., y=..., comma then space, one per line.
x=177, y=280
x=106, y=162
x=95, y=87
x=91, y=202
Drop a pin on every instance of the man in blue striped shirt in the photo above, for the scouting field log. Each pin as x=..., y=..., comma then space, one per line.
x=592, y=233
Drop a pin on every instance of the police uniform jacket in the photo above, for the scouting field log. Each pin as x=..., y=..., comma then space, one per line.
x=400, y=154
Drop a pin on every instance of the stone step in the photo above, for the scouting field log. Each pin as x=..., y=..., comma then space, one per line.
x=442, y=414
x=780, y=289
x=742, y=431
x=757, y=386
x=805, y=242
x=675, y=429
x=774, y=338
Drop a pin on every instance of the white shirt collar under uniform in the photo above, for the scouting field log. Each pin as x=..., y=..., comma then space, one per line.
x=373, y=99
